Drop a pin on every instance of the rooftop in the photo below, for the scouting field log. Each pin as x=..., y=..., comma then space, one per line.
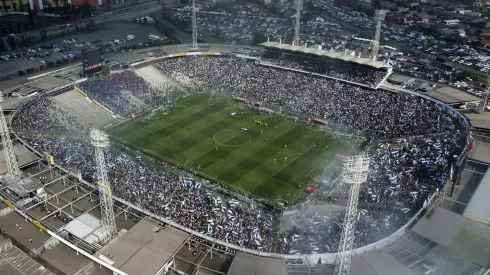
x=331, y=54
x=48, y=83
x=246, y=264
x=451, y=95
x=479, y=120
x=24, y=157
x=145, y=248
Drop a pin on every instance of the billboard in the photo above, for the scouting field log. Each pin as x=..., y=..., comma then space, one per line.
x=92, y=60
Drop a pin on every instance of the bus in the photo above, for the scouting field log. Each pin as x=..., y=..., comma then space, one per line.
x=154, y=37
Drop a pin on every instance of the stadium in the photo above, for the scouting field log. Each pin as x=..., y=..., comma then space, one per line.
x=243, y=149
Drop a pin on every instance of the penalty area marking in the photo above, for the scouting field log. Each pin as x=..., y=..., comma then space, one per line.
x=300, y=154
x=287, y=157
x=236, y=145
x=183, y=121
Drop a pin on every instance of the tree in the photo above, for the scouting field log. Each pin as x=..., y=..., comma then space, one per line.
x=31, y=18
x=24, y=40
x=91, y=25
x=480, y=24
x=43, y=35
x=3, y=47
x=85, y=9
x=11, y=42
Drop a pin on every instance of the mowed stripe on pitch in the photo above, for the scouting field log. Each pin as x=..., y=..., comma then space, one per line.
x=193, y=133
x=188, y=106
x=260, y=156
x=171, y=134
x=190, y=139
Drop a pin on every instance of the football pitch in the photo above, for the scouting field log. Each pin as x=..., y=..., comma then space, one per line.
x=268, y=156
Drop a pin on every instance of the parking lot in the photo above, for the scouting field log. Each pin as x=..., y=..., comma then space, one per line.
x=56, y=49
x=16, y=262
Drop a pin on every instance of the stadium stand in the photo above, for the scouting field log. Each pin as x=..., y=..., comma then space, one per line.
x=121, y=92
x=154, y=78
x=414, y=144
x=84, y=109
x=346, y=67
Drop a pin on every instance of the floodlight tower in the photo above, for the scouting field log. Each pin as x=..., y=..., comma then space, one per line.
x=379, y=17
x=299, y=7
x=13, y=171
x=484, y=99
x=355, y=172
x=100, y=140
x=194, y=25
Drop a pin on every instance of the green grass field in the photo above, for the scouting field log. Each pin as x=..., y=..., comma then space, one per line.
x=198, y=133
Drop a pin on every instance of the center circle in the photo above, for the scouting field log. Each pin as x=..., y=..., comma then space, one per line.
x=232, y=138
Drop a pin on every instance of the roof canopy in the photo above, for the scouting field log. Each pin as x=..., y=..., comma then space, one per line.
x=331, y=54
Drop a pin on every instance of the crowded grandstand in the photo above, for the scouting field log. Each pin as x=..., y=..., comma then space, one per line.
x=414, y=143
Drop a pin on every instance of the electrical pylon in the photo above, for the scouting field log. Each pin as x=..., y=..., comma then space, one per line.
x=379, y=17
x=299, y=7
x=355, y=172
x=484, y=99
x=194, y=25
x=100, y=140
x=13, y=170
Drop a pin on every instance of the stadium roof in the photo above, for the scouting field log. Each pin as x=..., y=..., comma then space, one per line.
x=399, y=79
x=478, y=208
x=145, y=248
x=479, y=120
x=24, y=157
x=23, y=186
x=481, y=151
x=331, y=54
x=48, y=83
x=246, y=264
x=459, y=237
x=11, y=103
x=440, y=225
x=450, y=95
x=86, y=227
x=377, y=263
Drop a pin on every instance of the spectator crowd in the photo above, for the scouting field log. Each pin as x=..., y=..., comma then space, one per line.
x=415, y=144
x=331, y=67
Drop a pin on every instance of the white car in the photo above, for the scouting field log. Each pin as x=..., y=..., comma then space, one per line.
x=42, y=61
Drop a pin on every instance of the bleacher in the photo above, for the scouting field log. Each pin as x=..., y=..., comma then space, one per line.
x=155, y=79
x=78, y=105
x=342, y=66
